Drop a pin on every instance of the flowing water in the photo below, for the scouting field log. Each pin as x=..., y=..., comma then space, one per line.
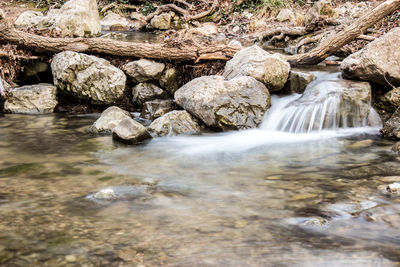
x=253, y=198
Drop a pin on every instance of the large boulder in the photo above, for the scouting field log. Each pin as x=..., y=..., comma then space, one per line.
x=259, y=64
x=109, y=119
x=174, y=123
x=239, y=103
x=32, y=99
x=29, y=19
x=143, y=70
x=130, y=132
x=88, y=78
x=76, y=18
x=378, y=62
x=156, y=108
x=390, y=101
x=146, y=92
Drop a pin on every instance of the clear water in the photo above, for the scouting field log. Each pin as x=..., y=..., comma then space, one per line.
x=251, y=198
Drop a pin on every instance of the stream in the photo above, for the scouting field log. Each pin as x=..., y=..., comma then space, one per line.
x=258, y=197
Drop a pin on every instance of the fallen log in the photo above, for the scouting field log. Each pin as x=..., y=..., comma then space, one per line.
x=177, y=52
x=334, y=42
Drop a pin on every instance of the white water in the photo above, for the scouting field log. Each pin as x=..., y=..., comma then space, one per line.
x=291, y=119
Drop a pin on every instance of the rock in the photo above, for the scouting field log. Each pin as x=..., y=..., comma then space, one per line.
x=235, y=44
x=76, y=18
x=319, y=8
x=144, y=92
x=393, y=188
x=174, y=123
x=157, y=108
x=207, y=29
x=390, y=101
x=259, y=64
x=286, y=14
x=2, y=14
x=109, y=119
x=258, y=25
x=161, y=22
x=391, y=128
x=70, y=258
x=143, y=70
x=130, y=132
x=297, y=82
x=32, y=99
x=361, y=144
x=236, y=29
x=169, y=80
x=137, y=16
x=88, y=78
x=396, y=149
x=377, y=62
x=105, y=194
x=29, y=19
x=112, y=19
x=239, y=103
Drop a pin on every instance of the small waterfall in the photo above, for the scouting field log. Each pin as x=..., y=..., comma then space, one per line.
x=325, y=105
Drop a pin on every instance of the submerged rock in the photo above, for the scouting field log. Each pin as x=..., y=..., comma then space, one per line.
x=109, y=119
x=29, y=19
x=157, y=108
x=76, y=18
x=174, y=123
x=255, y=62
x=297, y=83
x=143, y=70
x=130, y=132
x=88, y=78
x=144, y=92
x=377, y=62
x=32, y=99
x=239, y=103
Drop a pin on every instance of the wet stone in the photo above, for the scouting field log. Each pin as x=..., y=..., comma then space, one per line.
x=157, y=108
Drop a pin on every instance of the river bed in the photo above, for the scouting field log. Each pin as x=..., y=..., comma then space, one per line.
x=250, y=199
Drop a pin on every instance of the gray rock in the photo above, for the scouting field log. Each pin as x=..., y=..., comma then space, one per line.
x=113, y=19
x=144, y=92
x=377, y=62
x=157, y=108
x=75, y=18
x=137, y=16
x=109, y=119
x=161, y=22
x=29, y=19
x=259, y=64
x=396, y=149
x=169, y=80
x=88, y=78
x=174, y=123
x=130, y=132
x=316, y=10
x=143, y=70
x=391, y=128
x=297, y=82
x=239, y=103
x=32, y=99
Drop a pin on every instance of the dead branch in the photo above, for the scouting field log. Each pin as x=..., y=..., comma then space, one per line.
x=334, y=42
x=164, y=8
x=205, y=13
x=178, y=52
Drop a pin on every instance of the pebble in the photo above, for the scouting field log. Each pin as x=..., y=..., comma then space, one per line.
x=361, y=144
x=393, y=188
x=70, y=258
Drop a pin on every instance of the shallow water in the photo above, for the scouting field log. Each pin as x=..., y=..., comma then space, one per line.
x=254, y=198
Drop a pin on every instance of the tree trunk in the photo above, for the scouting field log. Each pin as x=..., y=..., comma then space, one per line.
x=178, y=52
x=334, y=42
